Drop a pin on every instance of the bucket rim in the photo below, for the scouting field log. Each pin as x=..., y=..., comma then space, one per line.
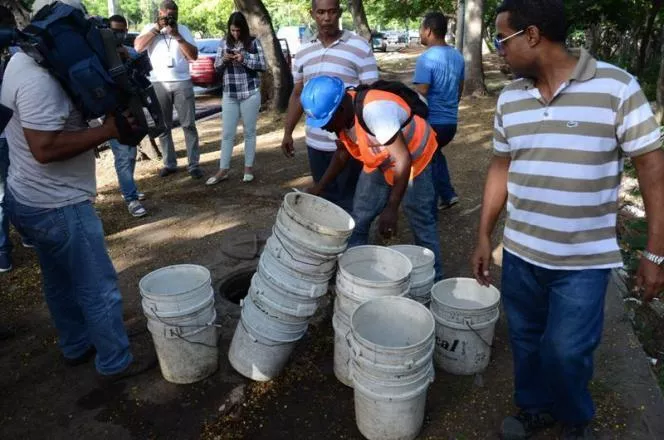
x=323, y=229
x=406, y=301
x=491, y=288
x=426, y=251
x=363, y=281
x=147, y=278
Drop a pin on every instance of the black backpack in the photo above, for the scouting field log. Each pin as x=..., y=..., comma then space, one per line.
x=418, y=107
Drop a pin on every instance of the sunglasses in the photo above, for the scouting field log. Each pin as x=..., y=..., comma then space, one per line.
x=498, y=42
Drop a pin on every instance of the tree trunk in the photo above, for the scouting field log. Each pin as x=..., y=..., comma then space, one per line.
x=279, y=76
x=472, y=49
x=112, y=7
x=645, y=39
x=20, y=11
x=660, y=85
x=593, y=38
x=356, y=8
x=460, y=27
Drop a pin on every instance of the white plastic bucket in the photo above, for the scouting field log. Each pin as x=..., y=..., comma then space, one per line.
x=342, y=349
x=286, y=306
x=314, y=223
x=391, y=368
x=298, y=258
x=265, y=323
x=176, y=289
x=374, y=267
x=287, y=279
x=466, y=314
x=186, y=346
x=257, y=357
x=423, y=274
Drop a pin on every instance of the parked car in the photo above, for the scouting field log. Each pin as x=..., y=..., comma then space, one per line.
x=202, y=70
x=285, y=49
x=379, y=42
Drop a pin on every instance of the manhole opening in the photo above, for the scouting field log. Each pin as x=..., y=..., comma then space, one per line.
x=235, y=287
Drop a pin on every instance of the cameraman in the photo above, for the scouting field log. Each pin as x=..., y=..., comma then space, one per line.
x=50, y=184
x=171, y=46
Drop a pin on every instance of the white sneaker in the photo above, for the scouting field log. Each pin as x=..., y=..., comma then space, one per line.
x=136, y=209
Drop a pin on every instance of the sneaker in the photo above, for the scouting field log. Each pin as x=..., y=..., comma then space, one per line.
x=139, y=365
x=524, y=425
x=141, y=196
x=196, y=173
x=136, y=209
x=578, y=432
x=447, y=205
x=5, y=263
x=165, y=172
x=82, y=359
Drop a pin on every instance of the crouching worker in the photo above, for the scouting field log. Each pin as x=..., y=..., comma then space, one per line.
x=381, y=130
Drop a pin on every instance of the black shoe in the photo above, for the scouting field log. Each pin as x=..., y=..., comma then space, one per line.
x=525, y=424
x=196, y=173
x=578, y=432
x=82, y=359
x=141, y=363
x=165, y=172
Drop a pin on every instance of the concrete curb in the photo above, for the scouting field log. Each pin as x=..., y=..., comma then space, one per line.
x=622, y=366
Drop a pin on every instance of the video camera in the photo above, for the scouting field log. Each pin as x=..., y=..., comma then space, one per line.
x=84, y=58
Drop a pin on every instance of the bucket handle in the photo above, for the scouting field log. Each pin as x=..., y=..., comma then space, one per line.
x=468, y=324
x=176, y=331
x=293, y=256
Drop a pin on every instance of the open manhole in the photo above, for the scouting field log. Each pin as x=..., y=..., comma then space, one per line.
x=236, y=285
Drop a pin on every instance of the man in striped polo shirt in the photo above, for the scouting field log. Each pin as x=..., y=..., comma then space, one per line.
x=561, y=132
x=338, y=53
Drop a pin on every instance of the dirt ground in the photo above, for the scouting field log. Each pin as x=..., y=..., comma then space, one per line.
x=191, y=223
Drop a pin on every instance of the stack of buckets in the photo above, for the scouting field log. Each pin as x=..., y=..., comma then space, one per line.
x=178, y=302
x=423, y=274
x=365, y=272
x=466, y=314
x=392, y=367
x=293, y=274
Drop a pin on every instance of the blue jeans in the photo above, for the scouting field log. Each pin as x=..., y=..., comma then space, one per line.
x=441, y=173
x=5, y=243
x=79, y=281
x=342, y=190
x=555, y=321
x=125, y=165
x=371, y=197
x=232, y=110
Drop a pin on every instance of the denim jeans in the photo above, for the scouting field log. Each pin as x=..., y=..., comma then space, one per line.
x=79, y=280
x=371, y=198
x=555, y=322
x=441, y=173
x=125, y=165
x=178, y=94
x=231, y=111
x=5, y=243
x=342, y=190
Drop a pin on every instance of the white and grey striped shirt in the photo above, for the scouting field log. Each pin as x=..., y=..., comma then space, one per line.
x=350, y=58
x=567, y=161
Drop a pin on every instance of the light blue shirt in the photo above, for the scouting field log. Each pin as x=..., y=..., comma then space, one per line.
x=442, y=68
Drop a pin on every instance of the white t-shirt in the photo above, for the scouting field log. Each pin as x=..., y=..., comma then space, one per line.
x=40, y=103
x=164, y=51
x=384, y=119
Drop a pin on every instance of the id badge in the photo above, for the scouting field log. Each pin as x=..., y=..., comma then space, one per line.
x=171, y=62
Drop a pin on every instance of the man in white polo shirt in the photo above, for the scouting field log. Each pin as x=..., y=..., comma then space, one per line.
x=338, y=53
x=171, y=47
x=561, y=132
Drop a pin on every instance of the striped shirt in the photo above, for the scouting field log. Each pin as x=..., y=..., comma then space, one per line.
x=350, y=58
x=567, y=161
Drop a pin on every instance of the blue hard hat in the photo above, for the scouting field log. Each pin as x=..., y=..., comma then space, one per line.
x=321, y=98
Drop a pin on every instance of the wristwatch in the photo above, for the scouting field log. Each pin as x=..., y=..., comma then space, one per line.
x=658, y=260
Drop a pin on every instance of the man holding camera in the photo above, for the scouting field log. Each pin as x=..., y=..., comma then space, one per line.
x=171, y=47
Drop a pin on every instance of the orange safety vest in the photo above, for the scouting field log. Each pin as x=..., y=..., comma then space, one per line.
x=420, y=139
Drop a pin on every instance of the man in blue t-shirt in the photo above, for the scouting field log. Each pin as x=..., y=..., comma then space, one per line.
x=439, y=77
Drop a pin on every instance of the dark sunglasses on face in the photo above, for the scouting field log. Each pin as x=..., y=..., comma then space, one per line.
x=498, y=42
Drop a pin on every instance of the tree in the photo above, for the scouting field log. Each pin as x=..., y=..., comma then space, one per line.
x=460, y=25
x=356, y=8
x=472, y=49
x=261, y=26
x=655, y=7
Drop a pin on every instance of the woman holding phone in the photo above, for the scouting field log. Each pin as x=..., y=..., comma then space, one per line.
x=239, y=61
